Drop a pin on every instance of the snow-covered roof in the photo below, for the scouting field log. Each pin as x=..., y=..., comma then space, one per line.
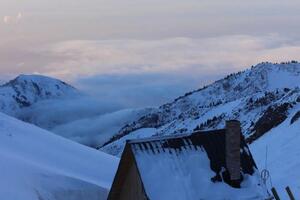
x=212, y=143
x=182, y=167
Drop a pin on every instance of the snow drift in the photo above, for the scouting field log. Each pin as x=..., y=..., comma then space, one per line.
x=35, y=164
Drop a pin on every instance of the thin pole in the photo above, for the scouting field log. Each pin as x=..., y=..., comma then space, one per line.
x=275, y=193
x=288, y=190
x=266, y=161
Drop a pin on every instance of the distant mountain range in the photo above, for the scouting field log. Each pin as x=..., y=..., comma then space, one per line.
x=261, y=97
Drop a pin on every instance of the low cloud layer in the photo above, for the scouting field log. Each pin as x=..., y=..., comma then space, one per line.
x=71, y=59
x=81, y=118
x=51, y=113
x=141, y=90
x=181, y=55
x=97, y=130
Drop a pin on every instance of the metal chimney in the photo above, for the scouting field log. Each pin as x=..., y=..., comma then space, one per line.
x=232, y=149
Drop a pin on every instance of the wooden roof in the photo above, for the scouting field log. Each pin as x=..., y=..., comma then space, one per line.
x=127, y=160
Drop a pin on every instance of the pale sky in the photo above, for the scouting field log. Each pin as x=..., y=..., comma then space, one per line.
x=198, y=40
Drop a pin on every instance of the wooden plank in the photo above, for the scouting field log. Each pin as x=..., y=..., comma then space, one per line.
x=288, y=190
x=275, y=194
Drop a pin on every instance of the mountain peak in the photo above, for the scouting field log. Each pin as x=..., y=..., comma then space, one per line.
x=34, y=78
x=25, y=90
x=291, y=66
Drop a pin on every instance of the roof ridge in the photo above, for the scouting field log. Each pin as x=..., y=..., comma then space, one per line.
x=168, y=137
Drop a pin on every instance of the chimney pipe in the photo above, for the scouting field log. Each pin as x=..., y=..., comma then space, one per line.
x=232, y=149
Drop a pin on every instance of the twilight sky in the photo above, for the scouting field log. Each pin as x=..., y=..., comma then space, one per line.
x=146, y=52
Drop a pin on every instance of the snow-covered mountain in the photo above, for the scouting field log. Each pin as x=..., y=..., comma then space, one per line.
x=261, y=97
x=25, y=90
x=60, y=108
x=36, y=164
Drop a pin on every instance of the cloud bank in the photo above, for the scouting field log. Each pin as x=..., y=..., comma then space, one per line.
x=187, y=55
x=70, y=59
x=83, y=119
x=140, y=90
x=51, y=113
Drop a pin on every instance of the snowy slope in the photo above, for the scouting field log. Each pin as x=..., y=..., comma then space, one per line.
x=35, y=164
x=259, y=97
x=283, y=153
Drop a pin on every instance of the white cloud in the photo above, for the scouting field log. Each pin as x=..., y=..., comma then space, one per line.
x=12, y=19
x=182, y=56
x=177, y=55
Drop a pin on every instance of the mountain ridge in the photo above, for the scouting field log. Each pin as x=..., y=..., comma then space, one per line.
x=260, y=97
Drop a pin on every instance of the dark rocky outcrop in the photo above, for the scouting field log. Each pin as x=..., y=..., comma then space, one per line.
x=271, y=118
x=295, y=117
